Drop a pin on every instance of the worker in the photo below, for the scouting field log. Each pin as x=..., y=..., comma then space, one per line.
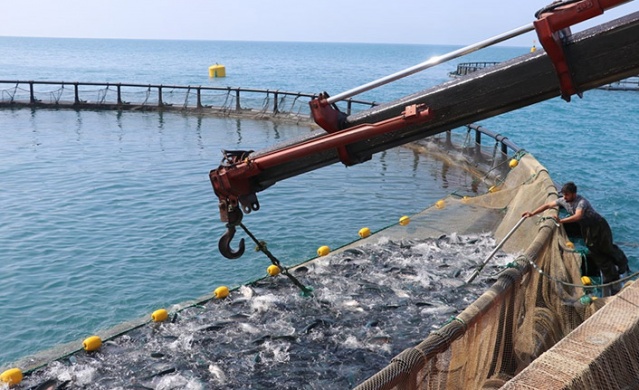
x=595, y=231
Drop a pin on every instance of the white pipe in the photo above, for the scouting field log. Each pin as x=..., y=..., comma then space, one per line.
x=431, y=62
x=490, y=256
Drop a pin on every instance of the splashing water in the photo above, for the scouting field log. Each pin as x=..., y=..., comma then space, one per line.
x=369, y=303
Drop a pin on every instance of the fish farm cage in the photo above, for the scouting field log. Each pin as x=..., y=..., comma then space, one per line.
x=469, y=67
x=535, y=322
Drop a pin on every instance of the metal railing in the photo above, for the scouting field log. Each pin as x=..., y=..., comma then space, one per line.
x=484, y=149
x=629, y=84
x=470, y=67
x=126, y=96
x=219, y=100
x=503, y=142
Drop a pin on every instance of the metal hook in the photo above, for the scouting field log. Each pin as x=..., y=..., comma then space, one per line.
x=225, y=244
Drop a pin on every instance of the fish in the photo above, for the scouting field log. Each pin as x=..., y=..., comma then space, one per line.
x=159, y=370
x=380, y=340
x=239, y=301
x=355, y=252
x=372, y=323
x=261, y=325
x=213, y=326
x=262, y=339
x=217, y=373
x=316, y=323
x=239, y=317
x=138, y=386
x=50, y=384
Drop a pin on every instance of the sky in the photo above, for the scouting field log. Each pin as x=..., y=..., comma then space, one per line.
x=452, y=22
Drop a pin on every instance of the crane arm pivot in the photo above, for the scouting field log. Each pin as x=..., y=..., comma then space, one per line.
x=553, y=29
x=233, y=181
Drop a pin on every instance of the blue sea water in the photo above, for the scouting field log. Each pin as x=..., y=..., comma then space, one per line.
x=107, y=216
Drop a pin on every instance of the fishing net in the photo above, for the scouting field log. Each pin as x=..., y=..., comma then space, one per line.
x=536, y=326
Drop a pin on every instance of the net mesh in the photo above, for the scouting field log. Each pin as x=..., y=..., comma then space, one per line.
x=533, y=327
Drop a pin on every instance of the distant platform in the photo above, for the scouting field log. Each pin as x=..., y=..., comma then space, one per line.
x=465, y=68
x=158, y=97
x=629, y=84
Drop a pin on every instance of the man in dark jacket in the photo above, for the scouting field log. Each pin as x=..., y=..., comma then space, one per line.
x=594, y=229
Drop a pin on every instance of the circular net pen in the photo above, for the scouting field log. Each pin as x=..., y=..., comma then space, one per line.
x=404, y=291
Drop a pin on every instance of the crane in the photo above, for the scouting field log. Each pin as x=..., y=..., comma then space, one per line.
x=568, y=65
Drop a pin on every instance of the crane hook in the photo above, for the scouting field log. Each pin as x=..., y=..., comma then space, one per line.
x=225, y=244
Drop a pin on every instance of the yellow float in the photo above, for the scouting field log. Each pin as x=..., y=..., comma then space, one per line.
x=364, y=232
x=323, y=250
x=92, y=343
x=221, y=292
x=159, y=315
x=273, y=270
x=12, y=376
x=217, y=70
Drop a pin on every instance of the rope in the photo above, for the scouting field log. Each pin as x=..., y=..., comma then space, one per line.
x=59, y=92
x=167, y=96
x=466, y=142
x=280, y=104
x=186, y=98
x=267, y=101
x=102, y=94
x=582, y=254
x=225, y=108
x=148, y=93
x=232, y=101
x=495, y=148
x=293, y=104
x=262, y=247
x=11, y=95
x=551, y=219
x=520, y=153
x=564, y=283
x=498, y=181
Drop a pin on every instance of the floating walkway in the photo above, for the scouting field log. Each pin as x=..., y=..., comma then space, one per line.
x=629, y=84
x=470, y=67
x=159, y=97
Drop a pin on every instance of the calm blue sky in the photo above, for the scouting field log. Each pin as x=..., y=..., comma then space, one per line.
x=399, y=21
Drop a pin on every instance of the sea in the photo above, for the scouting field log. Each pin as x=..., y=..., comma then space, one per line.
x=107, y=216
